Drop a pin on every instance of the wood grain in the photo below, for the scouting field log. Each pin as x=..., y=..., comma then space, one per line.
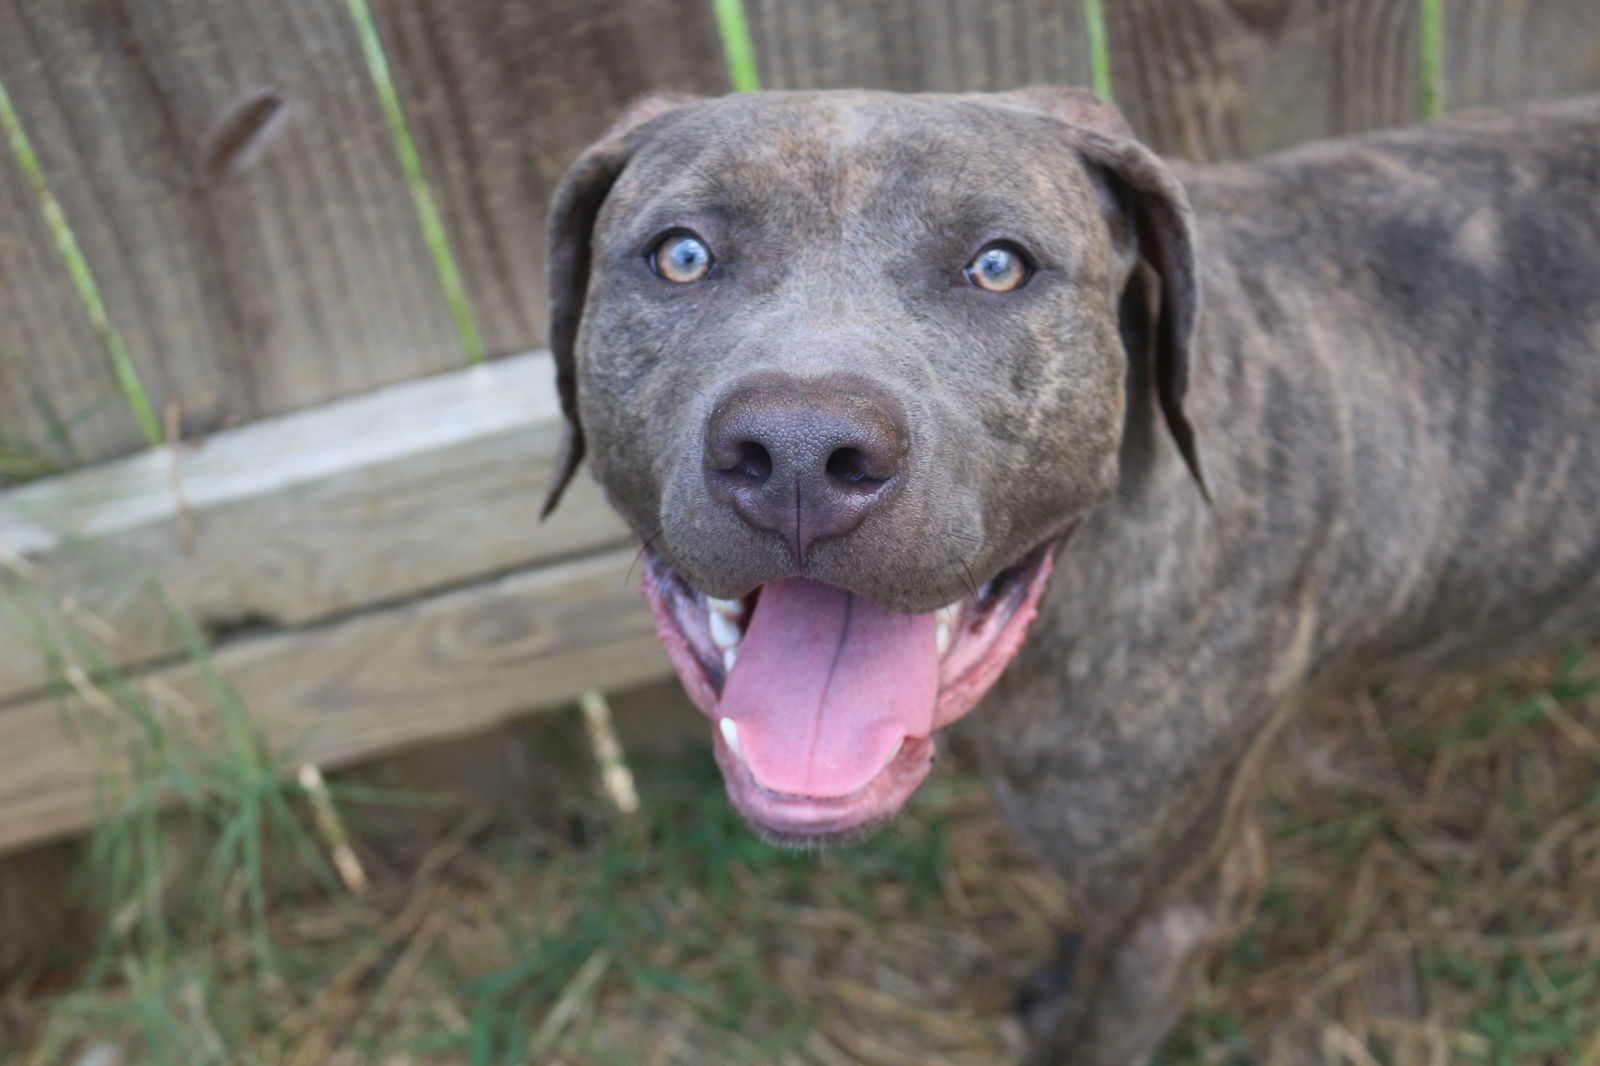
x=53, y=368
x=501, y=98
x=235, y=189
x=294, y=519
x=299, y=277
x=351, y=689
x=912, y=46
x=1500, y=51
x=1227, y=79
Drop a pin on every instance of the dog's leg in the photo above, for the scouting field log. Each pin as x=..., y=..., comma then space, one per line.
x=1151, y=825
x=1129, y=979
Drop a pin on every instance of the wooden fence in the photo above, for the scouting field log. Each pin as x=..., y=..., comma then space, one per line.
x=219, y=195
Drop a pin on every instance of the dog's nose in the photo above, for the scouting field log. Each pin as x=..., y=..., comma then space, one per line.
x=805, y=458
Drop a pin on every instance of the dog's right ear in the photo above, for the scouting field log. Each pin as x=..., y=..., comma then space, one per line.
x=573, y=210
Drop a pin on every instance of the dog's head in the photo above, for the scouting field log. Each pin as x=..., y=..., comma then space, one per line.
x=852, y=364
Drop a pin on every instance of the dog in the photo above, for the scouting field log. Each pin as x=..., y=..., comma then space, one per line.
x=917, y=400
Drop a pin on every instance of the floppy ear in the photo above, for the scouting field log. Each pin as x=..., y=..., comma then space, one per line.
x=1143, y=198
x=573, y=210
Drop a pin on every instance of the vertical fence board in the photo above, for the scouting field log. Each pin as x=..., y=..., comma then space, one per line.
x=501, y=97
x=52, y=366
x=906, y=45
x=1224, y=79
x=302, y=276
x=1498, y=51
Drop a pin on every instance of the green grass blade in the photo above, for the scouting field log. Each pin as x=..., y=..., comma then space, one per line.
x=734, y=29
x=55, y=220
x=1094, y=19
x=21, y=464
x=57, y=427
x=1431, y=38
x=433, y=232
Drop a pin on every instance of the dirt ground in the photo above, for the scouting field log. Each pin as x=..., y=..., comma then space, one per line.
x=1434, y=898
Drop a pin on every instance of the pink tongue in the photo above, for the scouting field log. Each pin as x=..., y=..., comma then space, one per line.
x=826, y=685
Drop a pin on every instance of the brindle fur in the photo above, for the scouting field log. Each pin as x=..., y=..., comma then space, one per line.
x=1394, y=383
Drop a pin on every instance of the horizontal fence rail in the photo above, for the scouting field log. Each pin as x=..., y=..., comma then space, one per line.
x=373, y=574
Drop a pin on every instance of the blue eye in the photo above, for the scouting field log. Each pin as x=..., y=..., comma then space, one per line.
x=998, y=268
x=682, y=257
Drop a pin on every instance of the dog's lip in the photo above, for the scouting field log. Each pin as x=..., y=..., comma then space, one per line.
x=997, y=614
x=786, y=818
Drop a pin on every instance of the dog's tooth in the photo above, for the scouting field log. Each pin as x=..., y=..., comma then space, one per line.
x=949, y=613
x=892, y=754
x=730, y=734
x=728, y=657
x=730, y=609
x=941, y=637
x=725, y=631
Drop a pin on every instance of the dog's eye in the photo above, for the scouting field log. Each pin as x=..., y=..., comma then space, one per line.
x=681, y=257
x=998, y=267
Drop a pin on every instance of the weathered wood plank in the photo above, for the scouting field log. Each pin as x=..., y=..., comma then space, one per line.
x=502, y=97
x=242, y=268
x=293, y=519
x=355, y=688
x=1499, y=51
x=1226, y=79
x=295, y=273
x=907, y=45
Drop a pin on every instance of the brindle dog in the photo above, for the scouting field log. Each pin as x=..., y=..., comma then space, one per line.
x=860, y=368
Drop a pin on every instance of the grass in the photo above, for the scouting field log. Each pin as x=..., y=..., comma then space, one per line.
x=77, y=266
x=433, y=230
x=1435, y=897
x=683, y=914
x=19, y=463
x=1435, y=892
x=734, y=29
x=61, y=453
x=214, y=781
x=1431, y=58
x=1094, y=20
x=516, y=949
x=1436, y=874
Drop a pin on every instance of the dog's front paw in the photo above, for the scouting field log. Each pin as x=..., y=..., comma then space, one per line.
x=1041, y=999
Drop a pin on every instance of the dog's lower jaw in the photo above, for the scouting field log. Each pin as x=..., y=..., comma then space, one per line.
x=834, y=771
x=810, y=821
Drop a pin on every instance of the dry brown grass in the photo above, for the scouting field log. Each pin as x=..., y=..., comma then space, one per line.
x=1436, y=863
x=1435, y=898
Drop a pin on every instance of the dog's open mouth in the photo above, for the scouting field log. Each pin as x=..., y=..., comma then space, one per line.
x=825, y=703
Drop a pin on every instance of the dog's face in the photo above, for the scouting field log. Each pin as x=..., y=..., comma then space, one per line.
x=851, y=365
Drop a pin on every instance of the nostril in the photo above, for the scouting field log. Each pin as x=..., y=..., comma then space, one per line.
x=849, y=466
x=754, y=462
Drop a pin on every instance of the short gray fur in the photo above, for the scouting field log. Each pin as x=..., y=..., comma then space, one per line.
x=1393, y=382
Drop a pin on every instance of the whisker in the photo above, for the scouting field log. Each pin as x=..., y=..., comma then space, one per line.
x=645, y=544
x=712, y=179
x=972, y=582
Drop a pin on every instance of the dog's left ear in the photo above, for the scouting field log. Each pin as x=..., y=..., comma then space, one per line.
x=573, y=210
x=1144, y=199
